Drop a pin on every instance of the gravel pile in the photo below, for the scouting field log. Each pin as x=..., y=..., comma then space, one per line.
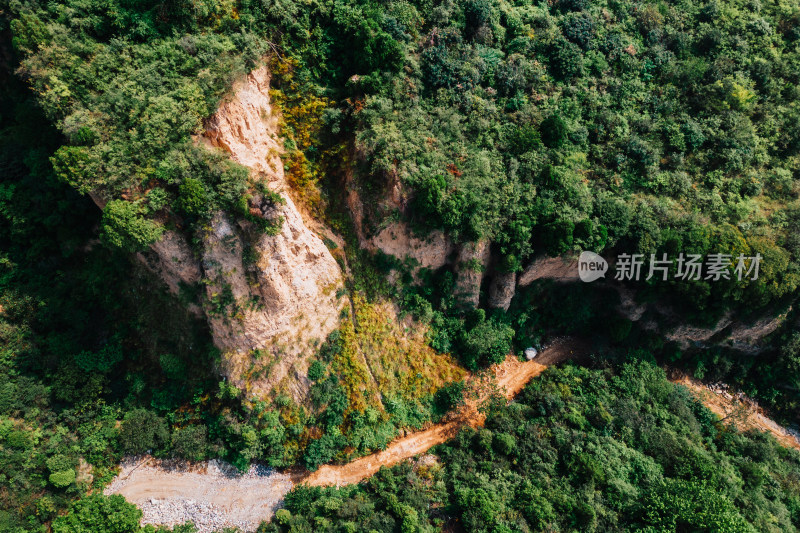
x=173, y=512
x=213, y=495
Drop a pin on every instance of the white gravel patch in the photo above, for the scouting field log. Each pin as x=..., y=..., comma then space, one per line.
x=213, y=495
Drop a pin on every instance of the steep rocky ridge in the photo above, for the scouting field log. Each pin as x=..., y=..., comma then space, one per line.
x=273, y=299
x=288, y=300
x=282, y=297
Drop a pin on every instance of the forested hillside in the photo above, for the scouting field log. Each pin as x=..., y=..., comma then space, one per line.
x=535, y=129
x=653, y=127
x=580, y=450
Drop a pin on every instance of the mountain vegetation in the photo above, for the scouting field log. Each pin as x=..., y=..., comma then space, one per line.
x=540, y=128
x=580, y=449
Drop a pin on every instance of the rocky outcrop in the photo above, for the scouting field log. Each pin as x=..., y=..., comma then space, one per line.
x=174, y=261
x=564, y=269
x=686, y=335
x=502, y=289
x=286, y=302
x=628, y=307
x=473, y=260
x=749, y=337
x=269, y=308
x=396, y=238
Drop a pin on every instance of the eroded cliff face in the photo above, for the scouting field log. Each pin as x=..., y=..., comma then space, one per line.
x=395, y=238
x=271, y=300
x=174, y=261
x=289, y=298
x=469, y=261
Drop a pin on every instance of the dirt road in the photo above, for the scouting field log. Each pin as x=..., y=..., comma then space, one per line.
x=740, y=411
x=510, y=378
x=214, y=497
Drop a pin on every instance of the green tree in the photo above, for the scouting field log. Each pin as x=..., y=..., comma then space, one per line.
x=124, y=226
x=553, y=131
x=142, y=430
x=190, y=442
x=75, y=166
x=62, y=479
x=449, y=396
x=566, y=60
x=558, y=236
x=488, y=342
x=99, y=514
x=193, y=198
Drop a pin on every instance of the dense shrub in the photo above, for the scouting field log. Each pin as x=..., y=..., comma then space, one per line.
x=190, y=442
x=100, y=514
x=125, y=227
x=487, y=342
x=142, y=431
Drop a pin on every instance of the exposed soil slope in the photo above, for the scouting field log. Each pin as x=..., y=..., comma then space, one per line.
x=280, y=293
x=738, y=410
x=287, y=295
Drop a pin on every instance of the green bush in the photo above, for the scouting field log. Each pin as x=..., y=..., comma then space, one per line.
x=449, y=396
x=566, y=60
x=102, y=361
x=553, y=131
x=190, y=442
x=124, y=226
x=99, y=514
x=558, y=237
x=488, y=342
x=193, y=199
x=62, y=479
x=142, y=431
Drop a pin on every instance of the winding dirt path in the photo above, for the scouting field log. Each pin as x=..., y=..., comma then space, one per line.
x=214, y=498
x=510, y=377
